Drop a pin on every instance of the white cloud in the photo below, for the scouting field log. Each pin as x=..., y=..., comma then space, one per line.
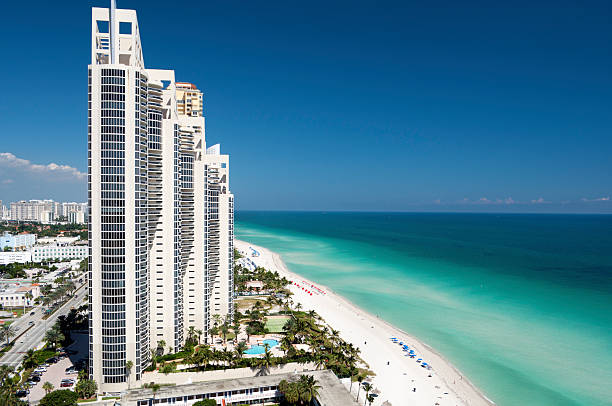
x=539, y=200
x=598, y=199
x=49, y=172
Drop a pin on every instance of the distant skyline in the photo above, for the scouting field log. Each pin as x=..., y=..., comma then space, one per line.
x=393, y=106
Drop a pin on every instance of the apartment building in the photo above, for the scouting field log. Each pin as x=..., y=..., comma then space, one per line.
x=33, y=210
x=58, y=251
x=156, y=228
x=17, y=242
x=189, y=100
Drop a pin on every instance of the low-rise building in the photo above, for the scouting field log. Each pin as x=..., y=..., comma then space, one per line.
x=18, y=294
x=17, y=242
x=56, y=251
x=255, y=285
x=15, y=257
x=254, y=390
x=57, y=240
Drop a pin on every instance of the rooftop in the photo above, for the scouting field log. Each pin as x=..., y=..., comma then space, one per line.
x=331, y=391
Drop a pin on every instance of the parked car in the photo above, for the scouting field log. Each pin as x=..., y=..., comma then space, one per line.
x=67, y=383
x=34, y=378
x=71, y=370
x=22, y=393
x=40, y=369
x=32, y=313
x=31, y=323
x=52, y=360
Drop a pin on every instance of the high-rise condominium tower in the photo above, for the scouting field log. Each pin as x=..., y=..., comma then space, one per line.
x=161, y=213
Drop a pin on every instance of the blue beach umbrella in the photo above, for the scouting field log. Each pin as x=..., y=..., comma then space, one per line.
x=420, y=359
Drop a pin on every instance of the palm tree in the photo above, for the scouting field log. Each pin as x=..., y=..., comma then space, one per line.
x=367, y=387
x=309, y=388
x=7, y=331
x=191, y=334
x=54, y=337
x=29, y=359
x=240, y=348
x=161, y=344
x=199, y=333
x=370, y=399
x=48, y=387
x=128, y=370
x=26, y=296
x=224, y=330
x=359, y=379
x=264, y=363
x=9, y=385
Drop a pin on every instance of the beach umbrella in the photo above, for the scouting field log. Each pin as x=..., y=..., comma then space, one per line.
x=420, y=359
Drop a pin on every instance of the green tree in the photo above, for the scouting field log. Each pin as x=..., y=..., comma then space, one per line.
x=48, y=387
x=7, y=331
x=264, y=363
x=54, y=337
x=86, y=388
x=62, y=397
x=128, y=370
x=205, y=402
x=309, y=389
x=29, y=359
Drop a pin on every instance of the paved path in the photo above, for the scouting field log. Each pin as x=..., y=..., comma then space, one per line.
x=35, y=335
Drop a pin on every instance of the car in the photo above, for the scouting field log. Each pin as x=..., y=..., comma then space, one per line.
x=71, y=370
x=31, y=323
x=67, y=383
x=36, y=373
x=32, y=313
x=40, y=369
x=34, y=378
x=22, y=393
x=52, y=360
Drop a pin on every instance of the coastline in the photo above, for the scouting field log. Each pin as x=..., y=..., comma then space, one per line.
x=400, y=379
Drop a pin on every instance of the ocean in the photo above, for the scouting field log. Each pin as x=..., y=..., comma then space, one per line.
x=521, y=304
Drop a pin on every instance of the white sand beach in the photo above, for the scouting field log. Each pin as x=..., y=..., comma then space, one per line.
x=401, y=379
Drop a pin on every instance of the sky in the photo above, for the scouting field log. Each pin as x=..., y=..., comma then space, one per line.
x=323, y=105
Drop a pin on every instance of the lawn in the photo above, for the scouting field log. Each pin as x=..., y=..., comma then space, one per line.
x=275, y=323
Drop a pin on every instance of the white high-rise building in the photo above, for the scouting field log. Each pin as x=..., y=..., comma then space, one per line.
x=161, y=213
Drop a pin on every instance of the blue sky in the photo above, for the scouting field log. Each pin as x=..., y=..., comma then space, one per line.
x=461, y=106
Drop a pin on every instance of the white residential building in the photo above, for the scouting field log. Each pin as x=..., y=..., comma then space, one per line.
x=160, y=209
x=77, y=217
x=17, y=242
x=20, y=257
x=56, y=251
x=33, y=210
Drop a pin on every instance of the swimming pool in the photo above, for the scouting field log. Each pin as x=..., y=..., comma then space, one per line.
x=260, y=349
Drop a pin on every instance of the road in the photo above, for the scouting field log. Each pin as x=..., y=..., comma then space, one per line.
x=34, y=336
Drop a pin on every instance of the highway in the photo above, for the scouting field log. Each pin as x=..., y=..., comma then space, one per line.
x=35, y=335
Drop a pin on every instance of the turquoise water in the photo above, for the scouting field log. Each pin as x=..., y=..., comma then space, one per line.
x=521, y=304
x=260, y=349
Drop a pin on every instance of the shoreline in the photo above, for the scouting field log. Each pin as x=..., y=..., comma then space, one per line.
x=443, y=385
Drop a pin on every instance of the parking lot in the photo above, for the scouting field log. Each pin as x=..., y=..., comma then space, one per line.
x=56, y=372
